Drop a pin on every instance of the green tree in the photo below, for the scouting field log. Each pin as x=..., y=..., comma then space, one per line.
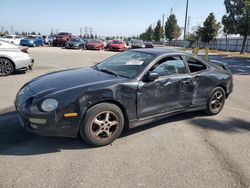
x=210, y=29
x=237, y=19
x=172, y=30
x=192, y=38
x=96, y=36
x=148, y=35
x=158, y=31
x=33, y=33
x=91, y=36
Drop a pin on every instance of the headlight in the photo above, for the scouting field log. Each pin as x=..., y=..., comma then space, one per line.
x=49, y=105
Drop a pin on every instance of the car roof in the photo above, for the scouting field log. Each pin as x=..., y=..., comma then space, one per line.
x=160, y=51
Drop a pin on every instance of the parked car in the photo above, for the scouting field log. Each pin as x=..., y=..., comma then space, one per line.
x=32, y=41
x=137, y=44
x=13, y=57
x=76, y=43
x=117, y=45
x=149, y=44
x=15, y=39
x=48, y=40
x=129, y=89
x=94, y=45
x=62, y=38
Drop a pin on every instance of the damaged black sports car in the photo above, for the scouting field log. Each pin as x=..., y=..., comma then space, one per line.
x=127, y=90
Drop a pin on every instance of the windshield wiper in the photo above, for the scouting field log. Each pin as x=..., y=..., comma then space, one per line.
x=108, y=71
x=95, y=67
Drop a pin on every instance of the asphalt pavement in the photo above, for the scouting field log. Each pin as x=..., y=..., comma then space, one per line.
x=187, y=150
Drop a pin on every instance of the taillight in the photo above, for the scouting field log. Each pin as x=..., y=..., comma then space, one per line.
x=231, y=77
x=25, y=50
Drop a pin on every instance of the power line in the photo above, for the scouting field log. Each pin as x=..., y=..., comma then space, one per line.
x=177, y=5
x=180, y=5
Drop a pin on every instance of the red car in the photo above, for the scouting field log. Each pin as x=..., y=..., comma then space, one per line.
x=62, y=38
x=117, y=45
x=95, y=45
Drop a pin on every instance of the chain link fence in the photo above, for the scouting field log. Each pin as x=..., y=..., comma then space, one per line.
x=233, y=44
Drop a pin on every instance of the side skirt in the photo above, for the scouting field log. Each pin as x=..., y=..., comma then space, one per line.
x=149, y=119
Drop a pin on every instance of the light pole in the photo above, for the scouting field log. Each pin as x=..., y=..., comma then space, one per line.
x=185, y=27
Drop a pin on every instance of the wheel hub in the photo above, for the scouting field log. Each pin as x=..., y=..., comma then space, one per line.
x=104, y=125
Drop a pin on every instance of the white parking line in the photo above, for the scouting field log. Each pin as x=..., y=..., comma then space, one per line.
x=237, y=109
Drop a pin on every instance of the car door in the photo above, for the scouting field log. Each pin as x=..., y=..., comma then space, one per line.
x=172, y=90
x=203, y=82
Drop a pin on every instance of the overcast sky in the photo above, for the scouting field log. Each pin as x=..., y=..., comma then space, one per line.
x=105, y=17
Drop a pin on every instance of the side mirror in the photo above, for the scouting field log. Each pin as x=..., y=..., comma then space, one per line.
x=151, y=76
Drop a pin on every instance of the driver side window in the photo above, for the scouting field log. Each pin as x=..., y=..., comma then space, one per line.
x=169, y=66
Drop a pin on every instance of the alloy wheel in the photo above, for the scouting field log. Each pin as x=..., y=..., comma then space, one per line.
x=104, y=125
x=217, y=101
x=6, y=67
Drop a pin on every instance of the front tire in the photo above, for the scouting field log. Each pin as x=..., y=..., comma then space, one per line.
x=215, y=101
x=102, y=124
x=6, y=67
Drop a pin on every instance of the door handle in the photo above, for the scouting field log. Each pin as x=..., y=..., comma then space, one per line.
x=186, y=82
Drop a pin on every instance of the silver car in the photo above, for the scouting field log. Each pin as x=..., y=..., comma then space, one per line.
x=13, y=57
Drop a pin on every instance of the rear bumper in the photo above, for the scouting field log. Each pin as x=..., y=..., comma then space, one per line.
x=24, y=63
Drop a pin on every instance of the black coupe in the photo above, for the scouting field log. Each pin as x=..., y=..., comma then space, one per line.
x=129, y=89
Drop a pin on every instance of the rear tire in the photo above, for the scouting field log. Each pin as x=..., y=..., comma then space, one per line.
x=6, y=67
x=102, y=124
x=215, y=101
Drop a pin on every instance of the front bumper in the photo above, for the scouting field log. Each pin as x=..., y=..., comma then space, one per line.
x=116, y=49
x=47, y=124
x=45, y=129
x=93, y=47
x=72, y=46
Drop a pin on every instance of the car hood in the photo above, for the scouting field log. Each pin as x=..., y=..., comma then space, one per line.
x=93, y=43
x=29, y=40
x=117, y=45
x=69, y=79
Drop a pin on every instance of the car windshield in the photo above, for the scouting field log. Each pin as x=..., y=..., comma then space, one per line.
x=128, y=64
x=138, y=42
x=117, y=42
x=94, y=41
x=76, y=40
x=62, y=34
x=31, y=37
x=8, y=37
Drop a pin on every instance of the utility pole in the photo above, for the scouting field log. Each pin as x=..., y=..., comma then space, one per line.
x=188, y=25
x=163, y=23
x=85, y=32
x=185, y=27
x=80, y=31
x=12, y=29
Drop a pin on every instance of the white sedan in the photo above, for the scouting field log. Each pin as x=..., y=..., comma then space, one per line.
x=15, y=39
x=13, y=57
